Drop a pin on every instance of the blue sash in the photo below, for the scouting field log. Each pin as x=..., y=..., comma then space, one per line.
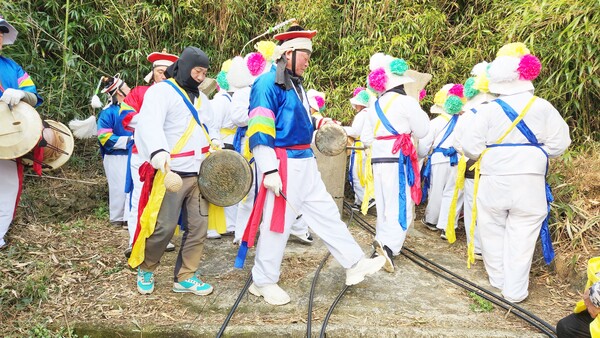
x=448, y=152
x=237, y=138
x=544, y=231
x=188, y=103
x=403, y=161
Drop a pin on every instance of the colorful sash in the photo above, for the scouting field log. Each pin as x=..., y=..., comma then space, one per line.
x=548, y=250
x=407, y=162
x=149, y=215
x=278, y=217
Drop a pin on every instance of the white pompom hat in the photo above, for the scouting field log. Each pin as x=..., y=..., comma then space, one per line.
x=513, y=70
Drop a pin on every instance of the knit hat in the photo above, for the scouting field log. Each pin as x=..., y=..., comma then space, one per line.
x=387, y=72
x=159, y=59
x=450, y=99
x=513, y=70
x=10, y=33
x=477, y=86
x=361, y=97
x=316, y=100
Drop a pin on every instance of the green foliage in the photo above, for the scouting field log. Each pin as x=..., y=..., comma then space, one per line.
x=479, y=304
x=42, y=331
x=101, y=212
x=443, y=37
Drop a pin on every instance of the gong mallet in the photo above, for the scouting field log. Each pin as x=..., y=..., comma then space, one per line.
x=298, y=215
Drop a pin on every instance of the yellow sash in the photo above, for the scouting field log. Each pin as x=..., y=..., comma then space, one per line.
x=228, y=131
x=477, y=167
x=150, y=213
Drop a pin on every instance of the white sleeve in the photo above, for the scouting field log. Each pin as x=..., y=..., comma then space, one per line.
x=557, y=134
x=149, y=134
x=357, y=124
x=240, y=103
x=265, y=158
x=207, y=116
x=473, y=139
x=418, y=120
x=367, y=134
x=426, y=143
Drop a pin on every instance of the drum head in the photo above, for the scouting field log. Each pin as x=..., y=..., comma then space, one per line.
x=331, y=139
x=59, y=147
x=20, y=130
x=225, y=178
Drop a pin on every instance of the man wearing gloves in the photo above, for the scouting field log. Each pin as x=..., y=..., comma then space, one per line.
x=174, y=133
x=280, y=130
x=15, y=86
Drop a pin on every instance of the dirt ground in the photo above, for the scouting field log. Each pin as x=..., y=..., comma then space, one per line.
x=65, y=268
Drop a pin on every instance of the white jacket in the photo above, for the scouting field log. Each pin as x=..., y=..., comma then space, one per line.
x=490, y=123
x=163, y=119
x=405, y=115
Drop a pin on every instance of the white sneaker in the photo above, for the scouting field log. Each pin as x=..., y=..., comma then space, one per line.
x=170, y=247
x=212, y=234
x=364, y=267
x=478, y=256
x=272, y=293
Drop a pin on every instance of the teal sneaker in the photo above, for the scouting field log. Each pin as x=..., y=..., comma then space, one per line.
x=145, y=282
x=193, y=285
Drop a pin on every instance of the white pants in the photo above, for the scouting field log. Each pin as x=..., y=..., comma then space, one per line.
x=115, y=167
x=511, y=210
x=9, y=190
x=388, y=231
x=136, y=162
x=306, y=192
x=231, y=217
x=359, y=190
x=439, y=173
x=446, y=199
x=244, y=207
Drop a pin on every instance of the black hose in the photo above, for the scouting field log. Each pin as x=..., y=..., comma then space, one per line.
x=235, y=305
x=480, y=291
x=312, y=295
x=330, y=311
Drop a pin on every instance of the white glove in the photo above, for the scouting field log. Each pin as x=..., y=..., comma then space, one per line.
x=161, y=161
x=12, y=96
x=216, y=144
x=273, y=182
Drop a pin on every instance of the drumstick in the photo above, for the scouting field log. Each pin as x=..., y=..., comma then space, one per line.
x=290, y=205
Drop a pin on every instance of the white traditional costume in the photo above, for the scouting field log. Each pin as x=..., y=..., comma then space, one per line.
x=513, y=137
x=15, y=85
x=389, y=126
x=442, y=158
x=358, y=158
x=280, y=130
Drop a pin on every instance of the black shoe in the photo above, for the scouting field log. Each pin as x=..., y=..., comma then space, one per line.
x=443, y=235
x=228, y=233
x=371, y=203
x=385, y=252
x=128, y=252
x=429, y=226
x=355, y=207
